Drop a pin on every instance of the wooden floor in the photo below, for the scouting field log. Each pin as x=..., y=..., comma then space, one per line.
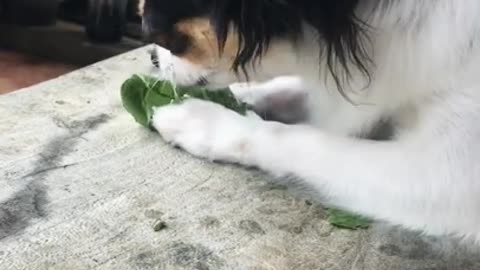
x=62, y=47
x=21, y=70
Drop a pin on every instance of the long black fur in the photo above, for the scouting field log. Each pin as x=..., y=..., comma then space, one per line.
x=343, y=38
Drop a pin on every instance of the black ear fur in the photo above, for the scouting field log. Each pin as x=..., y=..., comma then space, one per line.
x=342, y=35
x=257, y=22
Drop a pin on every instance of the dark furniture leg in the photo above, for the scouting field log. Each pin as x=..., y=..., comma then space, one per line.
x=106, y=20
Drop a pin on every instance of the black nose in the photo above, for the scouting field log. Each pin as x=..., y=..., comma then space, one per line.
x=154, y=58
x=202, y=81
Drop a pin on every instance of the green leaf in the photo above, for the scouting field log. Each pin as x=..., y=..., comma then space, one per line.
x=164, y=88
x=133, y=92
x=140, y=94
x=346, y=220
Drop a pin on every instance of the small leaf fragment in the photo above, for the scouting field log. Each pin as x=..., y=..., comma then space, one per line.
x=346, y=220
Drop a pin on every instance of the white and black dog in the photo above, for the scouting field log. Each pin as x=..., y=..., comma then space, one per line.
x=415, y=64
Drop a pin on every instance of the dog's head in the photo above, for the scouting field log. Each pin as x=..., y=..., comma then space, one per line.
x=222, y=41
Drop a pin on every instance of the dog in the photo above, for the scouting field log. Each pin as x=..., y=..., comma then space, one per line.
x=358, y=63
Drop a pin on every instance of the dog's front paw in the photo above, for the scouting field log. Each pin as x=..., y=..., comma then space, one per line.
x=206, y=129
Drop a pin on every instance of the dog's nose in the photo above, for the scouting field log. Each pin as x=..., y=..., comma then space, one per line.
x=154, y=57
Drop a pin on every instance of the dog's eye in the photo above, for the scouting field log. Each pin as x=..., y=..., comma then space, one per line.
x=178, y=43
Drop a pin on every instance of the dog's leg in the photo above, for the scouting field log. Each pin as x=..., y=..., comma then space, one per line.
x=289, y=99
x=425, y=179
x=282, y=99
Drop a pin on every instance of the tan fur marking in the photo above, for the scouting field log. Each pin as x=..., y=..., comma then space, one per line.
x=204, y=48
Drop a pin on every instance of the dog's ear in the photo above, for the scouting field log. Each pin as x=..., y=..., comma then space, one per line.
x=255, y=23
x=343, y=37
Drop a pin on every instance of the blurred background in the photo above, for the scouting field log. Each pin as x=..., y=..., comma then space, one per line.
x=43, y=39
